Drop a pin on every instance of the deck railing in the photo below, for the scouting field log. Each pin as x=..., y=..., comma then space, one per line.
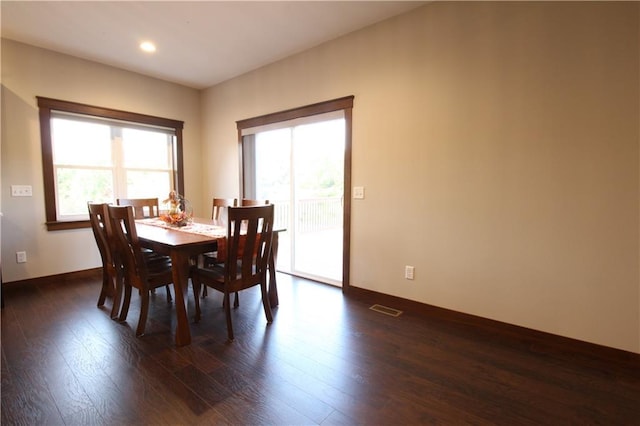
x=313, y=214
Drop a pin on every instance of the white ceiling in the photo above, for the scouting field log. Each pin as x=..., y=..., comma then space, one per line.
x=200, y=43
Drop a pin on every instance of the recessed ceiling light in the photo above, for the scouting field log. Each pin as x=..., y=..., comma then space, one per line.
x=147, y=46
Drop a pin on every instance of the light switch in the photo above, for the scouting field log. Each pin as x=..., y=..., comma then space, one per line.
x=21, y=191
x=358, y=192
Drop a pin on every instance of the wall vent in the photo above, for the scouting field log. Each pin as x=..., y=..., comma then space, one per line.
x=386, y=310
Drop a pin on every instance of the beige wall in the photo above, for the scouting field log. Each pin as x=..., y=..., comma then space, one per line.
x=499, y=147
x=498, y=144
x=28, y=72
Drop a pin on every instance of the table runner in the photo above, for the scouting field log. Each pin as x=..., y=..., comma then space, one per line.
x=210, y=230
x=218, y=232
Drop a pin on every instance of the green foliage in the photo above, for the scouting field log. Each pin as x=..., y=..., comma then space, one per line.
x=78, y=186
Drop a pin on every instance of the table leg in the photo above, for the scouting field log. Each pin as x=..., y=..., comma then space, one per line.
x=180, y=271
x=273, y=259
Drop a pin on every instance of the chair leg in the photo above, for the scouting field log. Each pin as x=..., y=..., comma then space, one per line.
x=169, y=299
x=265, y=302
x=196, y=283
x=204, y=291
x=196, y=292
x=236, y=300
x=117, y=297
x=144, y=311
x=227, y=310
x=106, y=282
x=125, y=304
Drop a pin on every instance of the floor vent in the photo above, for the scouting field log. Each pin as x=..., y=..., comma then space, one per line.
x=386, y=310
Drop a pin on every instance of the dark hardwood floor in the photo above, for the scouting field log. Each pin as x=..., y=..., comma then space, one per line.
x=326, y=359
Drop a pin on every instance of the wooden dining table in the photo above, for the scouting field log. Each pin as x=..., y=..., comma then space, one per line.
x=181, y=245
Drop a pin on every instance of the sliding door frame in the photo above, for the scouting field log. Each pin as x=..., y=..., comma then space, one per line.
x=341, y=104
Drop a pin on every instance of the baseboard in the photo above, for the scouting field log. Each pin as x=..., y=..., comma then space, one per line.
x=534, y=340
x=75, y=275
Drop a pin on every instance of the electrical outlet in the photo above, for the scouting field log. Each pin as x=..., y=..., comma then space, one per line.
x=408, y=272
x=21, y=257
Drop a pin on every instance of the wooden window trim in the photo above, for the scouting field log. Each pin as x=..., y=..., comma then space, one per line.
x=46, y=105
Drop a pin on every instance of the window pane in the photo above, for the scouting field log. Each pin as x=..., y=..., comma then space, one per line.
x=318, y=174
x=78, y=186
x=145, y=149
x=141, y=184
x=272, y=153
x=80, y=143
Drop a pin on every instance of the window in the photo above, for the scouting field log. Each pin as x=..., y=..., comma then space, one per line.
x=98, y=154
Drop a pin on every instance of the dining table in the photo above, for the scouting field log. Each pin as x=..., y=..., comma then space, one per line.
x=183, y=243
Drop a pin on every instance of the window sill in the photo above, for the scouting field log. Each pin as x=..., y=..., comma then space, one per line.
x=60, y=226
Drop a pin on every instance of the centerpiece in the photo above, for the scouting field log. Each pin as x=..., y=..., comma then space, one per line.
x=177, y=210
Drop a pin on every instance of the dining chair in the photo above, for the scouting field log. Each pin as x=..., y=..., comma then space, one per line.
x=246, y=202
x=142, y=207
x=218, y=206
x=143, y=272
x=247, y=250
x=111, y=267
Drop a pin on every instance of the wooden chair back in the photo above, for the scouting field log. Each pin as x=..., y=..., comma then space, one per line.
x=247, y=250
x=249, y=236
x=127, y=245
x=218, y=205
x=246, y=202
x=111, y=276
x=142, y=272
x=99, y=218
x=142, y=207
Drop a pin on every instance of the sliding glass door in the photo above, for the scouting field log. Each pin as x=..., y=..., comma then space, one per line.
x=299, y=166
